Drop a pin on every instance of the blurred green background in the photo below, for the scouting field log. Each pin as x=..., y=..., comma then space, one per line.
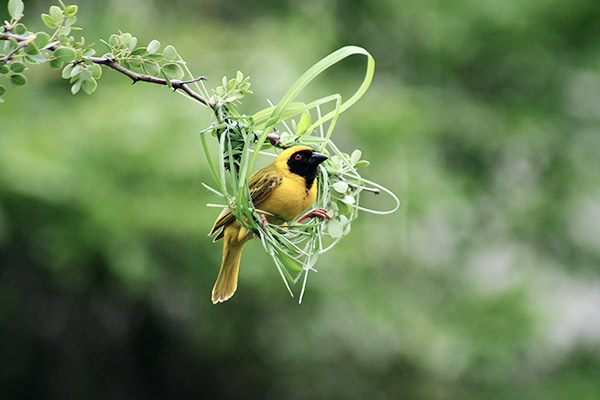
x=484, y=117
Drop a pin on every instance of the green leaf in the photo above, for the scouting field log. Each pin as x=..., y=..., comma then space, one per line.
x=4, y=70
x=56, y=63
x=20, y=29
x=69, y=21
x=340, y=187
x=139, y=51
x=335, y=160
x=65, y=54
x=36, y=58
x=96, y=71
x=335, y=228
x=170, y=53
x=151, y=68
x=75, y=71
x=18, y=79
x=126, y=39
x=347, y=228
x=289, y=262
x=230, y=84
x=89, y=86
x=50, y=23
x=362, y=163
x=348, y=200
x=71, y=10
x=114, y=40
x=169, y=84
x=89, y=52
x=56, y=14
x=10, y=45
x=135, y=63
x=63, y=31
x=41, y=39
x=303, y=124
x=76, y=86
x=32, y=49
x=85, y=75
x=173, y=71
x=2, y=90
x=126, y=64
x=153, y=46
x=132, y=44
x=344, y=220
x=66, y=72
x=15, y=8
x=17, y=66
x=154, y=56
x=355, y=157
x=343, y=207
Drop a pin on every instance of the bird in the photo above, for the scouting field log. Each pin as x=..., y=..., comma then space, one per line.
x=283, y=189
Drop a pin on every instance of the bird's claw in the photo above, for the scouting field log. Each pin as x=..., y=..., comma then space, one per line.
x=316, y=212
x=265, y=223
x=264, y=220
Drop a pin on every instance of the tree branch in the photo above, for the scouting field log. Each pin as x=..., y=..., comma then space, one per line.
x=136, y=77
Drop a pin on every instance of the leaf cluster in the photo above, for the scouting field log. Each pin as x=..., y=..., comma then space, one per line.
x=345, y=185
x=232, y=90
x=62, y=50
x=58, y=47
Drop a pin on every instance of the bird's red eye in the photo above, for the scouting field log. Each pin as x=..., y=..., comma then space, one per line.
x=298, y=157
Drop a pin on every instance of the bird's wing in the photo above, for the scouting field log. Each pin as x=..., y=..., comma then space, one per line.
x=261, y=186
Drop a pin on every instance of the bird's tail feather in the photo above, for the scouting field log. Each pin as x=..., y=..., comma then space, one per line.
x=228, y=275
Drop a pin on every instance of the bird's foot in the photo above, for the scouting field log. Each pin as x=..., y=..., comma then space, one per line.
x=265, y=223
x=264, y=220
x=316, y=212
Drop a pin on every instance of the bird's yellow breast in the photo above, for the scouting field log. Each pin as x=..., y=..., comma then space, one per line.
x=290, y=198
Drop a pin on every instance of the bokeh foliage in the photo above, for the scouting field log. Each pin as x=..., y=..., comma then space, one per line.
x=483, y=117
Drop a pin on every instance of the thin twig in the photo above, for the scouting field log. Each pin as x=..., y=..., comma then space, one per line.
x=8, y=35
x=136, y=77
x=10, y=55
x=354, y=186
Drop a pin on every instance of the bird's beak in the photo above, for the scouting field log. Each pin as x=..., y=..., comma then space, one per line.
x=318, y=158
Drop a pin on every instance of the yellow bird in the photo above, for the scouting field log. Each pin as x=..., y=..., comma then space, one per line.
x=284, y=188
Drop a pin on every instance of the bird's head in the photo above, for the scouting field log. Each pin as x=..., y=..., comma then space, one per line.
x=302, y=161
